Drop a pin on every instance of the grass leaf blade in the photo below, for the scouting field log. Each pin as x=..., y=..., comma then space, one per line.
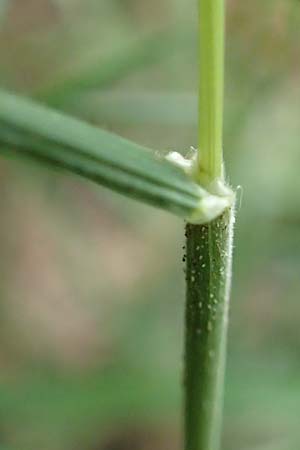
x=52, y=138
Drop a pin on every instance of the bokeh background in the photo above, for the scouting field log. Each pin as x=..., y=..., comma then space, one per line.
x=91, y=283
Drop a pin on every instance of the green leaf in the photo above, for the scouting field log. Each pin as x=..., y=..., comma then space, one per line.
x=3, y=13
x=31, y=130
x=157, y=108
x=107, y=71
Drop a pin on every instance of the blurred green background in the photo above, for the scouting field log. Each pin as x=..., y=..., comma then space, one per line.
x=92, y=290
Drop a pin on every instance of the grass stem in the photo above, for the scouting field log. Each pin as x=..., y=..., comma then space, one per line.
x=211, y=86
x=208, y=276
x=208, y=253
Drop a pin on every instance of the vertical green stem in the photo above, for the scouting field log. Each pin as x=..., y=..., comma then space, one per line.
x=208, y=273
x=208, y=253
x=211, y=86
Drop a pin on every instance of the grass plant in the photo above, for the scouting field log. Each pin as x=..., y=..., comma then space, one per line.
x=208, y=251
x=193, y=188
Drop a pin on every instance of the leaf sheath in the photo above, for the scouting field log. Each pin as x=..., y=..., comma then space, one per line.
x=208, y=278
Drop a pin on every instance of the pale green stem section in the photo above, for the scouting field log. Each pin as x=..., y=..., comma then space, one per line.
x=211, y=86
